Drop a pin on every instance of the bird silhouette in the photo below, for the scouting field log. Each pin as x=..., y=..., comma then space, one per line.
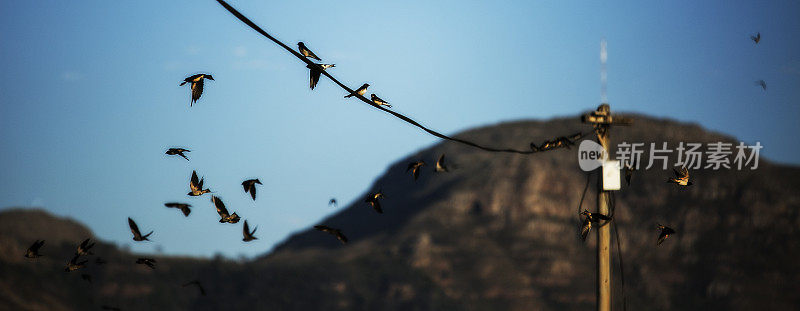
x=380, y=102
x=149, y=262
x=185, y=208
x=440, y=165
x=756, y=38
x=373, y=200
x=336, y=232
x=84, y=247
x=315, y=70
x=178, y=152
x=630, y=167
x=360, y=91
x=415, y=167
x=33, y=251
x=137, y=235
x=762, y=84
x=223, y=212
x=681, y=177
x=197, y=85
x=306, y=52
x=250, y=186
x=73, y=264
x=333, y=202
x=248, y=235
x=664, y=233
x=196, y=186
x=198, y=285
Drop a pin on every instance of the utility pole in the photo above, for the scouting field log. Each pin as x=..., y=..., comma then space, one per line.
x=602, y=120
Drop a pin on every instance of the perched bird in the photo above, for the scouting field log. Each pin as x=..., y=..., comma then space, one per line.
x=440, y=165
x=185, y=208
x=33, y=251
x=223, y=212
x=105, y=307
x=315, y=71
x=250, y=186
x=99, y=261
x=150, y=262
x=199, y=286
x=83, y=248
x=197, y=85
x=380, y=102
x=762, y=83
x=585, y=228
x=681, y=177
x=338, y=233
x=414, y=168
x=630, y=167
x=137, y=236
x=372, y=199
x=306, y=52
x=595, y=217
x=756, y=38
x=196, y=186
x=87, y=277
x=178, y=151
x=73, y=264
x=333, y=202
x=360, y=91
x=248, y=235
x=664, y=234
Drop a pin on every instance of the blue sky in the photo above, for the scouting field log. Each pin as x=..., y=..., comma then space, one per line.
x=90, y=98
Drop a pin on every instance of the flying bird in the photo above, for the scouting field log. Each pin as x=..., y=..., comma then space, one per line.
x=756, y=38
x=306, y=52
x=178, y=151
x=664, y=234
x=415, y=167
x=199, y=286
x=336, y=232
x=33, y=251
x=440, y=165
x=137, y=235
x=197, y=85
x=360, y=91
x=83, y=248
x=762, y=83
x=315, y=70
x=373, y=198
x=248, y=235
x=630, y=167
x=378, y=101
x=681, y=177
x=223, y=212
x=150, y=262
x=87, y=277
x=196, y=186
x=333, y=202
x=73, y=264
x=185, y=208
x=250, y=186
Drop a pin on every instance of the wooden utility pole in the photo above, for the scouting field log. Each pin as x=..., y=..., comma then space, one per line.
x=601, y=119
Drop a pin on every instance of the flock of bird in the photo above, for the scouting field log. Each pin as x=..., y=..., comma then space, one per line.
x=196, y=186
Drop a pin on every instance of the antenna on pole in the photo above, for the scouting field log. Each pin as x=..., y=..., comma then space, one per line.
x=603, y=73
